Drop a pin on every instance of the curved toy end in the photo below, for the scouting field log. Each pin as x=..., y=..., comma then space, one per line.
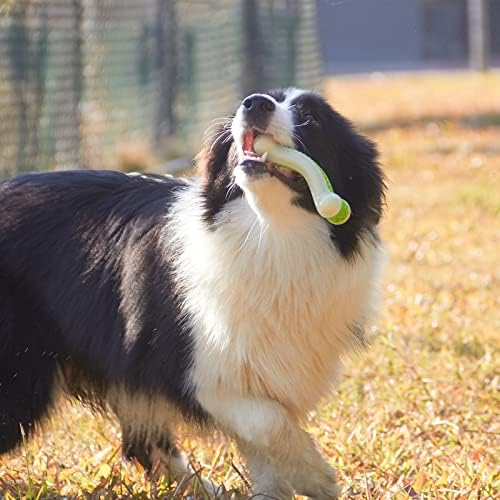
x=342, y=216
x=328, y=204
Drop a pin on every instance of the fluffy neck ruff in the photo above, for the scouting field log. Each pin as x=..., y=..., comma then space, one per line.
x=271, y=311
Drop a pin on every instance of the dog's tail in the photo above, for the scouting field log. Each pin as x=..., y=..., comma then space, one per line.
x=27, y=368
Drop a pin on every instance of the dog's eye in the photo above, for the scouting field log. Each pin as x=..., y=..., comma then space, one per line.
x=306, y=117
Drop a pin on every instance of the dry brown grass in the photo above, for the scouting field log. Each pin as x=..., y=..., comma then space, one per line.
x=133, y=156
x=416, y=416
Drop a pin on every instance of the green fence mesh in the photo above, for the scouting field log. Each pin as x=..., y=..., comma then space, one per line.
x=79, y=78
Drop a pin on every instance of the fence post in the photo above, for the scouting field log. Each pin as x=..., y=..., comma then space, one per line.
x=166, y=70
x=77, y=87
x=251, y=68
x=478, y=34
x=65, y=86
x=18, y=47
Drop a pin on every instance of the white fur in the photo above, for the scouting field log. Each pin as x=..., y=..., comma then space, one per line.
x=291, y=94
x=280, y=125
x=272, y=305
x=271, y=299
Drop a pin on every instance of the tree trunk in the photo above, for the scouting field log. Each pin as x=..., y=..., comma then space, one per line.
x=478, y=35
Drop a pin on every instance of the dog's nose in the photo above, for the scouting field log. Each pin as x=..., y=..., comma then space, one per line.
x=258, y=109
x=258, y=103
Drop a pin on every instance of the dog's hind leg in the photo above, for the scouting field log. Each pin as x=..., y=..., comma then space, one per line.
x=157, y=454
x=147, y=439
x=27, y=368
x=154, y=451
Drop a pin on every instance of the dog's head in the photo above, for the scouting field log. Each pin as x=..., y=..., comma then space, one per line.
x=304, y=121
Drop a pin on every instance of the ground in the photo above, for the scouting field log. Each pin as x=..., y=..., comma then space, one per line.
x=415, y=416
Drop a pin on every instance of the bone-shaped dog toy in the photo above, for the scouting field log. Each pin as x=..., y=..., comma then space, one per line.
x=328, y=204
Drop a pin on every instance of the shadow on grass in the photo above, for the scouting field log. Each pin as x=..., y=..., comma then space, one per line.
x=474, y=121
x=16, y=488
x=112, y=487
x=40, y=490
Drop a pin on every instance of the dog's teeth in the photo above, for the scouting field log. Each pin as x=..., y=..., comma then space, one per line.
x=263, y=158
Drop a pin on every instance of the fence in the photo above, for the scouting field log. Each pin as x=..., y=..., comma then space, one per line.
x=80, y=78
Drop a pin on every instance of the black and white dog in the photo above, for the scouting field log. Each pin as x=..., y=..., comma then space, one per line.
x=227, y=300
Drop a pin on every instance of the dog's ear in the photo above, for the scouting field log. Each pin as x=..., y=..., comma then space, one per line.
x=212, y=160
x=351, y=162
x=215, y=164
x=358, y=177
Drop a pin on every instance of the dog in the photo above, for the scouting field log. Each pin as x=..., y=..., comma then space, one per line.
x=225, y=298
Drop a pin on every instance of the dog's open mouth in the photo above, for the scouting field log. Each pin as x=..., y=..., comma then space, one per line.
x=259, y=164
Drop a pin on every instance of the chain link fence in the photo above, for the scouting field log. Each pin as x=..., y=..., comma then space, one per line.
x=82, y=80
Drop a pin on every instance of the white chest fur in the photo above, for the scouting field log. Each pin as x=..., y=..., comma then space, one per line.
x=272, y=310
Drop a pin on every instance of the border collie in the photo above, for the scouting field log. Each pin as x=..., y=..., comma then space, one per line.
x=227, y=299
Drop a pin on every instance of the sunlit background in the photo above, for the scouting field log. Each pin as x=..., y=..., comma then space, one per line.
x=137, y=85
x=132, y=85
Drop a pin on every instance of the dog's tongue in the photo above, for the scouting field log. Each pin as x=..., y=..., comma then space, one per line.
x=248, y=141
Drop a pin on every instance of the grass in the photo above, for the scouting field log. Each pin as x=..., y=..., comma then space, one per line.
x=417, y=415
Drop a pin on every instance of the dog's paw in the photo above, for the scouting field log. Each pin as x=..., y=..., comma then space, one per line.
x=330, y=492
x=322, y=486
x=208, y=488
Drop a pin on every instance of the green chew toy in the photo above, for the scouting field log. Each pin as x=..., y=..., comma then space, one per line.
x=328, y=204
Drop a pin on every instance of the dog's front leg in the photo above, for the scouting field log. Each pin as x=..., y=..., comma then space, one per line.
x=267, y=481
x=267, y=433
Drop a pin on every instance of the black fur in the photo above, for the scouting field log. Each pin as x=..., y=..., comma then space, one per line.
x=86, y=287
x=350, y=161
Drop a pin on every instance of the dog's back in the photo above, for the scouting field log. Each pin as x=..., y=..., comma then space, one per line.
x=64, y=239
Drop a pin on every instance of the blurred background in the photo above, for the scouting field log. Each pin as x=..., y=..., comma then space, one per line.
x=133, y=85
